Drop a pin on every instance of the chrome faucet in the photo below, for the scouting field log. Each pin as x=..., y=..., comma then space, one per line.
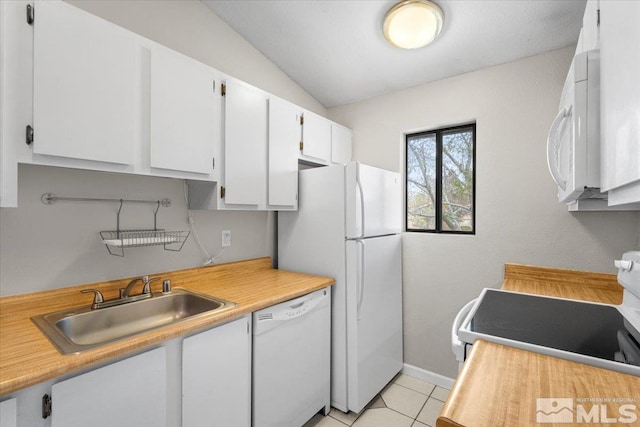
x=146, y=288
x=99, y=302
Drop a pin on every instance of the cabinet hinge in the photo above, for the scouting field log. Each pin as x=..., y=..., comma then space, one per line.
x=46, y=406
x=28, y=137
x=30, y=14
x=598, y=20
x=301, y=145
x=222, y=192
x=301, y=120
x=223, y=89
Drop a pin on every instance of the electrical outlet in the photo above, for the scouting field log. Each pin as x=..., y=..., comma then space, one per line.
x=226, y=238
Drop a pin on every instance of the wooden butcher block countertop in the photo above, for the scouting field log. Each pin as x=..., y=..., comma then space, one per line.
x=27, y=357
x=499, y=385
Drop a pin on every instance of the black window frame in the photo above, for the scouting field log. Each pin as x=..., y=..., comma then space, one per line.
x=438, y=202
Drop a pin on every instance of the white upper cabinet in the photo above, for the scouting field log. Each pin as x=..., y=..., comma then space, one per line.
x=86, y=79
x=260, y=150
x=92, y=95
x=324, y=142
x=128, y=393
x=184, y=112
x=284, y=140
x=340, y=144
x=245, y=144
x=590, y=26
x=316, y=138
x=620, y=97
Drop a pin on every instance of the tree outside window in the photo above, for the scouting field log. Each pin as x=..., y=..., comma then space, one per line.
x=440, y=186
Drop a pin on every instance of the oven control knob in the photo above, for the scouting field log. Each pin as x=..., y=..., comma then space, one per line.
x=623, y=265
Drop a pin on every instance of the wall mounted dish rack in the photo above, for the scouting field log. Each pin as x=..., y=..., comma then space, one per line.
x=118, y=240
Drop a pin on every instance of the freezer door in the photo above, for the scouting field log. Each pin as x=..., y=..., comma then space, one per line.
x=373, y=201
x=374, y=316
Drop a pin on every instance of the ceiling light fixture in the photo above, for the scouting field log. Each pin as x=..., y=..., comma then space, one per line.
x=411, y=24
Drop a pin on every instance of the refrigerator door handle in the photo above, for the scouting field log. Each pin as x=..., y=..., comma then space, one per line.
x=359, y=184
x=360, y=278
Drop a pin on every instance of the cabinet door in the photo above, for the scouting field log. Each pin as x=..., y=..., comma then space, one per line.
x=9, y=413
x=620, y=99
x=183, y=112
x=284, y=139
x=340, y=144
x=316, y=137
x=216, y=376
x=590, y=26
x=86, y=74
x=129, y=393
x=245, y=144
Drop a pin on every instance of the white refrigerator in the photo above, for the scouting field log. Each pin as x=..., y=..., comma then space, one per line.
x=347, y=227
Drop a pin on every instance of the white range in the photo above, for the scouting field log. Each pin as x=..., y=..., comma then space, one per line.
x=602, y=335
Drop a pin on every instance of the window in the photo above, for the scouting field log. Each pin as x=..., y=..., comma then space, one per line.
x=440, y=186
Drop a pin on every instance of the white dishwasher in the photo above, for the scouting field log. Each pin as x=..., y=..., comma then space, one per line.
x=291, y=360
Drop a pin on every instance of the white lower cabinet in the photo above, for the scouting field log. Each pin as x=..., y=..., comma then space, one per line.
x=9, y=413
x=128, y=393
x=201, y=380
x=216, y=376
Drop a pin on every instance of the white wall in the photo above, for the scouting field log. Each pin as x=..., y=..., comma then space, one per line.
x=51, y=246
x=517, y=216
x=44, y=247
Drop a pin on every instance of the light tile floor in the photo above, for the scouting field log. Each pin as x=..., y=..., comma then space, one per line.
x=404, y=402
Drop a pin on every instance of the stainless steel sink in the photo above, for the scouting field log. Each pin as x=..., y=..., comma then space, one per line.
x=80, y=329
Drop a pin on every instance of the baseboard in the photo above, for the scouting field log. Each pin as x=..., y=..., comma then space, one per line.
x=432, y=377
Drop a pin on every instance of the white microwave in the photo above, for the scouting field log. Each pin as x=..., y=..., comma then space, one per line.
x=573, y=145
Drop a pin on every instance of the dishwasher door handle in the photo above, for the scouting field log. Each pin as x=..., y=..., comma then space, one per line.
x=270, y=318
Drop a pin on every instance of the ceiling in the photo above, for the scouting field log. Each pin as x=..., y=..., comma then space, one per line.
x=335, y=49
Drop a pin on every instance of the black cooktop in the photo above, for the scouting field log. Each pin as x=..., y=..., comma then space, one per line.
x=585, y=328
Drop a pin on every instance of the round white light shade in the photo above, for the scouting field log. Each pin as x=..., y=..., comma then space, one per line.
x=411, y=24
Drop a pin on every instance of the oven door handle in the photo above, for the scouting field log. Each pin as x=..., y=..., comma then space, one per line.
x=456, y=344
